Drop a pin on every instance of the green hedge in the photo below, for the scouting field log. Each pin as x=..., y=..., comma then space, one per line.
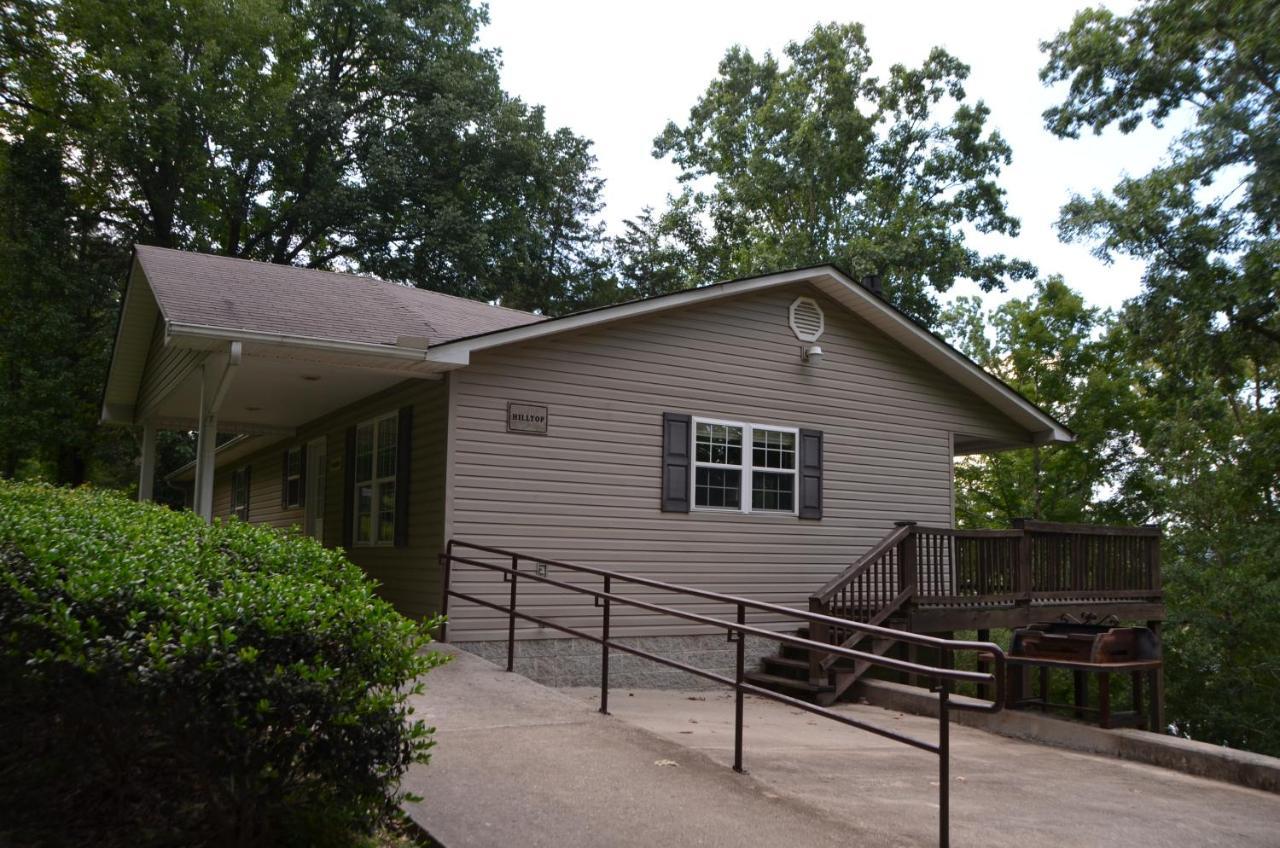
x=166, y=681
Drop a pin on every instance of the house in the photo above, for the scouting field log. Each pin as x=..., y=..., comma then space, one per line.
x=752, y=437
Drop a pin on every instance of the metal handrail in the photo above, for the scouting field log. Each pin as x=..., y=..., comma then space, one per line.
x=737, y=630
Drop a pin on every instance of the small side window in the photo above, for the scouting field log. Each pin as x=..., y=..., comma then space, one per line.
x=240, y=493
x=292, y=482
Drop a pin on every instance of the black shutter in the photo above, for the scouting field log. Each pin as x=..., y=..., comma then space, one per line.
x=248, y=487
x=302, y=475
x=405, y=433
x=810, y=473
x=676, y=443
x=348, y=489
x=284, y=479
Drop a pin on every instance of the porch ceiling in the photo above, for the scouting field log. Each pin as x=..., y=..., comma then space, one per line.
x=274, y=393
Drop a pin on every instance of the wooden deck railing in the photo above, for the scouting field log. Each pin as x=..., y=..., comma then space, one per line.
x=1035, y=562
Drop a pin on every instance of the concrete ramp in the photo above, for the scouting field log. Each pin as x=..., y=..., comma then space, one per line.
x=518, y=764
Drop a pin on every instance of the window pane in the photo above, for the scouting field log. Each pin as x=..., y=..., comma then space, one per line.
x=387, y=447
x=386, y=512
x=773, y=491
x=364, y=514
x=295, y=462
x=773, y=449
x=718, y=487
x=364, y=453
x=294, y=491
x=719, y=443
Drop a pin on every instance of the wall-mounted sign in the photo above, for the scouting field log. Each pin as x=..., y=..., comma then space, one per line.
x=526, y=418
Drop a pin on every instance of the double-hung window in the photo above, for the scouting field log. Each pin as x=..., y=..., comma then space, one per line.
x=292, y=482
x=744, y=467
x=240, y=493
x=375, y=481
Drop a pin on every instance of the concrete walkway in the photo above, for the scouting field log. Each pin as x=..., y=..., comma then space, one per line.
x=518, y=764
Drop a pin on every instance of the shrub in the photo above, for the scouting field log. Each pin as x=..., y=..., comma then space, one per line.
x=167, y=681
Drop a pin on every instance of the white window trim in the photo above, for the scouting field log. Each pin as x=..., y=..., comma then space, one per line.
x=375, y=481
x=748, y=468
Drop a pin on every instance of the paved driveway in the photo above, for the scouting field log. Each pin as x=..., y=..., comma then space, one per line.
x=519, y=764
x=1005, y=792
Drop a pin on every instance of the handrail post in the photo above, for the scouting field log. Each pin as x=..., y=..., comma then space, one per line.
x=511, y=615
x=944, y=765
x=818, y=633
x=907, y=560
x=604, y=653
x=738, y=677
x=446, y=566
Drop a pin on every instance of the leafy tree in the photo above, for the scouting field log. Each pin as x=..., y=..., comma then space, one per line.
x=368, y=135
x=1205, y=330
x=1058, y=353
x=816, y=160
x=651, y=258
x=57, y=298
x=361, y=133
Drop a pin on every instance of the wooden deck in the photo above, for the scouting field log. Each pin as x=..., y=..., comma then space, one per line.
x=937, y=580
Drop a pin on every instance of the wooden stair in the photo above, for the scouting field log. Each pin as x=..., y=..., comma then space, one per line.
x=787, y=672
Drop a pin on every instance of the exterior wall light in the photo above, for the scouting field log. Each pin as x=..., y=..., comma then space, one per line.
x=812, y=354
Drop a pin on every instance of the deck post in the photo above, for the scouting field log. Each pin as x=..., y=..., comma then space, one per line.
x=147, y=462
x=1156, y=693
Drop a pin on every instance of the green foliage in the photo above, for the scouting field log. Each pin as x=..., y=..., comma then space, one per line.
x=1061, y=355
x=817, y=160
x=1204, y=334
x=173, y=682
x=368, y=135
x=365, y=133
x=57, y=310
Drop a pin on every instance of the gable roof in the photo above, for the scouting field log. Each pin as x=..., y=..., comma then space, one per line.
x=200, y=296
x=860, y=300
x=198, y=289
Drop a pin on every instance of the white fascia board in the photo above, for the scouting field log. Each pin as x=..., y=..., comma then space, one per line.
x=175, y=332
x=956, y=366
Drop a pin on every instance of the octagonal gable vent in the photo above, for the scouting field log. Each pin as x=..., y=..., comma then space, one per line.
x=807, y=320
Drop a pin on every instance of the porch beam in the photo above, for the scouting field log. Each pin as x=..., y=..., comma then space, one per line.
x=244, y=428
x=147, y=462
x=216, y=375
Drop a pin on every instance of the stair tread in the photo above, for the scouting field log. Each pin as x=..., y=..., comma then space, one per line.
x=762, y=678
x=789, y=662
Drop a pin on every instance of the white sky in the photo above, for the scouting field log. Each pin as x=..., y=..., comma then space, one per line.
x=616, y=72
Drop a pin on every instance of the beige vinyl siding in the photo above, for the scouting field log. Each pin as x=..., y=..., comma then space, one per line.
x=410, y=575
x=588, y=491
x=166, y=368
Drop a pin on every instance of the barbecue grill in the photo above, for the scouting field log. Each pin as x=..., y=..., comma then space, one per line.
x=1085, y=643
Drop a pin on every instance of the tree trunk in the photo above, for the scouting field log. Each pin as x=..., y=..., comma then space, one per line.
x=71, y=466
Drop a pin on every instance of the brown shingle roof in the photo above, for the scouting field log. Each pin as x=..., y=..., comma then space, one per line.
x=238, y=294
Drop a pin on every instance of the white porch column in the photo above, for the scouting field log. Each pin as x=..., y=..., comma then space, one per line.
x=206, y=442
x=215, y=380
x=147, y=462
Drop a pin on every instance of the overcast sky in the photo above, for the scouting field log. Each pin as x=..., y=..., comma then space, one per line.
x=617, y=72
